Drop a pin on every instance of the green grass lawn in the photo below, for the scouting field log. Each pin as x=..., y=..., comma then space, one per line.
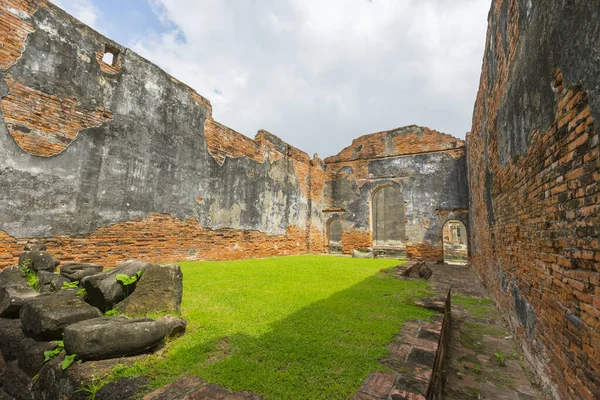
x=305, y=327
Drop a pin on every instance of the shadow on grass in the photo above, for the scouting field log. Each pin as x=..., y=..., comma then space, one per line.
x=323, y=351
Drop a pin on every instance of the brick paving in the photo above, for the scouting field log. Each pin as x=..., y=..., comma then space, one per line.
x=484, y=360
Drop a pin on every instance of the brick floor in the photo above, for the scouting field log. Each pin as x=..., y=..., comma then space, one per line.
x=484, y=361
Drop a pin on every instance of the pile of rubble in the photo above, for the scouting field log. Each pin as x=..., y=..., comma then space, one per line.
x=93, y=313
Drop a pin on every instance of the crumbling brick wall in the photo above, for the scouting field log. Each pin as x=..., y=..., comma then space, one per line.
x=534, y=176
x=106, y=162
x=427, y=167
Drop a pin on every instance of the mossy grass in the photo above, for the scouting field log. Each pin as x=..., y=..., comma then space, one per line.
x=479, y=307
x=310, y=327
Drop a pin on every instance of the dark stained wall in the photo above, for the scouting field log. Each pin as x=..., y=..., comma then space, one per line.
x=85, y=146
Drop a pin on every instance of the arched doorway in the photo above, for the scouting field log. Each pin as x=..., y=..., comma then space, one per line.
x=387, y=216
x=455, y=242
x=335, y=236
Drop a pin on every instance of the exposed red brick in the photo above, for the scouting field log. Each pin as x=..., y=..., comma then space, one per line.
x=404, y=141
x=222, y=142
x=14, y=28
x=44, y=124
x=178, y=240
x=111, y=69
x=355, y=239
x=425, y=251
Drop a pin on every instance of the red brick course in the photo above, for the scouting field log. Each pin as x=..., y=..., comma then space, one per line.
x=160, y=238
x=409, y=140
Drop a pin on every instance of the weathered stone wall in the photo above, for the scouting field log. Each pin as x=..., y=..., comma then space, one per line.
x=534, y=184
x=429, y=168
x=121, y=161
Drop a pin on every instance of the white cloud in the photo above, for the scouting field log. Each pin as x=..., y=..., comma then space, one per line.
x=83, y=10
x=319, y=73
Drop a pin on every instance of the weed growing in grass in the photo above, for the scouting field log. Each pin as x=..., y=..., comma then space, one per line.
x=500, y=358
x=289, y=327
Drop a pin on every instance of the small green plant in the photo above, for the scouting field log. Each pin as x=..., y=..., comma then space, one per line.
x=111, y=313
x=500, y=358
x=30, y=275
x=82, y=293
x=50, y=354
x=127, y=280
x=476, y=368
x=93, y=387
x=70, y=285
x=66, y=363
x=460, y=374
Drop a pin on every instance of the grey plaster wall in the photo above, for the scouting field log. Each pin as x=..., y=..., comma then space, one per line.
x=150, y=158
x=433, y=186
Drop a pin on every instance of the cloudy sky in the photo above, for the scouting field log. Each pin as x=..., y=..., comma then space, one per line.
x=317, y=73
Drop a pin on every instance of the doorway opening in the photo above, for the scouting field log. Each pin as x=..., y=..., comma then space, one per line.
x=455, y=242
x=335, y=236
x=387, y=216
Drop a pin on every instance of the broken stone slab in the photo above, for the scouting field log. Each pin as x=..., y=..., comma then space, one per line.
x=76, y=272
x=123, y=389
x=110, y=337
x=159, y=290
x=12, y=298
x=437, y=305
x=16, y=382
x=359, y=254
x=51, y=282
x=11, y=336
x=34, y=245
x=54, y=383
x=48, y=315
x=31, y=355
x=174, y=326
x=2, y=368
x=12, y=276
x=104, y=291
x=38, y=261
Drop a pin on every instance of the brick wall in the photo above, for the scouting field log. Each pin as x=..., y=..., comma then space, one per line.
x=14, y=28
x=161, y=238
x=534, y=185
x=402, y=141
x=43, y=124
x=140, y=182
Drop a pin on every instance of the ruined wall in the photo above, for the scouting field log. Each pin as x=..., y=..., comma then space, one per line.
x=429, y=168
x=534, y=184
x=122, y=160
